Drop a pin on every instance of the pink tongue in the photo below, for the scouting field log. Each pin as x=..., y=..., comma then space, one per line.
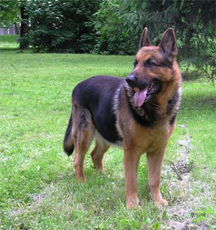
x=139, y=97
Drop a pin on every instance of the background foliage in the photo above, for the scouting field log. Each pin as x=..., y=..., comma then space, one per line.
x=62, y=26
x=114, y=26
x=113, y=37
x=193, y=21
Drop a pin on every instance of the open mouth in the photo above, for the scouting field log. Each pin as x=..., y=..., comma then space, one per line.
x=142, y=94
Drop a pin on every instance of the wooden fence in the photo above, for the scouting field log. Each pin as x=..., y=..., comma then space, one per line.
x=10, y=31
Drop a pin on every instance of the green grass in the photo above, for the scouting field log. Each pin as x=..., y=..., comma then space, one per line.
x=38, y=189
x=9, y=41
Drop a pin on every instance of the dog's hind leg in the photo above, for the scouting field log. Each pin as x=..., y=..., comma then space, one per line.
x=98, y=152
x=83, y=133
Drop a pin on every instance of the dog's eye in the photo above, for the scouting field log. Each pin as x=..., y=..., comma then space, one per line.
x=150, y=63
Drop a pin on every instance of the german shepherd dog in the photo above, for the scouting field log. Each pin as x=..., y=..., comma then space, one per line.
x=137, y=113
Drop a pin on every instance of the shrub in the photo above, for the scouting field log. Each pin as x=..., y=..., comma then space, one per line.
x=62, y=25
x=112, y=36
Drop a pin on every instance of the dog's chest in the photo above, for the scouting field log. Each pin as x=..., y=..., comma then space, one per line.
x=150, y=138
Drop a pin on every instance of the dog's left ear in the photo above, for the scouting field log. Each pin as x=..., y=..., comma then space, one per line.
x=144, y=40
x=168, y=44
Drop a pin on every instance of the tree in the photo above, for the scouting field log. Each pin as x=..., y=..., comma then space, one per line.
x=112, y=36
x=193, y=21
x=9, y=12
x=24, y=28
x=13, y=12
x=62, y=25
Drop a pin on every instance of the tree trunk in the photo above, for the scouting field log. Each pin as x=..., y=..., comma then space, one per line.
x=24, y=44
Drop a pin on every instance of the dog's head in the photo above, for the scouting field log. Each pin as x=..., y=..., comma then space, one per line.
x=153, y=66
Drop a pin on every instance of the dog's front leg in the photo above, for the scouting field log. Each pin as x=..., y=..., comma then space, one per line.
x=131, y=161
x=155, y=160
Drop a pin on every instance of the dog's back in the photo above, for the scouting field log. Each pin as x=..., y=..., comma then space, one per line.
x=94, y=100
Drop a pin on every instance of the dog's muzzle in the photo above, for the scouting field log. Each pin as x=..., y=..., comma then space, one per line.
x=131, y=80
x=143, y=90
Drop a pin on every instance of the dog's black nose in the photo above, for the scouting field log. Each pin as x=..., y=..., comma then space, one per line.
x=131, y=80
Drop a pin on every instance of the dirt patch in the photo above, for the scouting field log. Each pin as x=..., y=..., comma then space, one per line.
x=182, y=212
x=187, y=195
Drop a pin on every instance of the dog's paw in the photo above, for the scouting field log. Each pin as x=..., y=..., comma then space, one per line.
x=133, y=204
x=161, y=202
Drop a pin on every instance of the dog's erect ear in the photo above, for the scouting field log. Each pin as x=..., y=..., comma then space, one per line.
x=168, y=43
x=144, y=40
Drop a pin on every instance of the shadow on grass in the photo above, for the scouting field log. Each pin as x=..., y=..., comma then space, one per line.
x=9, y=49
x=200, y=102
x=13, y=50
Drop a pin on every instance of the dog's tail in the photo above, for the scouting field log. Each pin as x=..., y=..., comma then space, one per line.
x=68, y=141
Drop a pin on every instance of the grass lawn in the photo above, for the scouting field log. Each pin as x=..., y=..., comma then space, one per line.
x=9, y=41
x=38, y=189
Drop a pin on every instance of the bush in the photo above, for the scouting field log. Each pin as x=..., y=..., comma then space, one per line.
x=112, y=36
x=62, y=25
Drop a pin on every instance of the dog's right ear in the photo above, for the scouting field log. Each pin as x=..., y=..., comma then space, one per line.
x=144, y=40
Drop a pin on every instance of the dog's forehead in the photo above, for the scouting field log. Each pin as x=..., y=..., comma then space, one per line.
x=148, y=52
